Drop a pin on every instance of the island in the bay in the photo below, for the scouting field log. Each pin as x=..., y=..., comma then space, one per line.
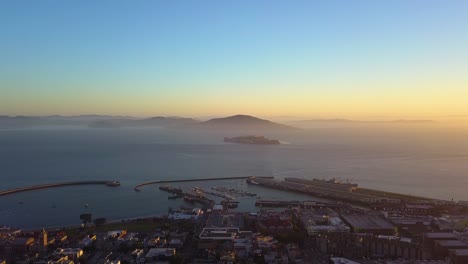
x=258, y=140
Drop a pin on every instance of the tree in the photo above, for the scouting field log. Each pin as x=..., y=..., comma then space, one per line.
x=86, y=218
x=100, y=221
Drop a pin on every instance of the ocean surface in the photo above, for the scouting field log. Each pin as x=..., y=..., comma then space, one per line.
x=420, y=161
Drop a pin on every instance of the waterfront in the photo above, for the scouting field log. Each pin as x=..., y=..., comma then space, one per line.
x=418, y=165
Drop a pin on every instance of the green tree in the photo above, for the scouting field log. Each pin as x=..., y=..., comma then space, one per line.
x=100, y=221
x=86, y=218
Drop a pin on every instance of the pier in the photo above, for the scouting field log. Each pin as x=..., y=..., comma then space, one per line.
x=60, y=184
x=137, y=188
x=301, y=204
x=344, y=192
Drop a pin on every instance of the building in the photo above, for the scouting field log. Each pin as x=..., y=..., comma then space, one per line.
x=137, y=253
x=87, y=241
x=176, y=243
x=459, y=256
x=185, y=214
x=116, y=233
x=325, y=220
x=442, y=248
x=413, y=226
x=8, y=231
x=360, y=246
x=429, y=242
x=274, y=222
x=160, y=253
x=70, y=253
x=219, y=233
x=403, y=209
x=372, y=224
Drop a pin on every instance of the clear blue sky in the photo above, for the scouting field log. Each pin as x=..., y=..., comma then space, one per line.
x=299, y=58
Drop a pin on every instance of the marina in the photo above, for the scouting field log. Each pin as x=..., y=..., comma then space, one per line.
x=233, y=192
x=221, y=195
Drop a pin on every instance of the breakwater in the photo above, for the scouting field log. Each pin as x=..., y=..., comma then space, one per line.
x=137, y=188
x=59, y=184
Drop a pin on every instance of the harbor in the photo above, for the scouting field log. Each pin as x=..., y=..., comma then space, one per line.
x=201, y=195
x=249, y=194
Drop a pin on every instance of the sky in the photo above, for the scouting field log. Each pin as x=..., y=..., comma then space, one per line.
x=298, y=59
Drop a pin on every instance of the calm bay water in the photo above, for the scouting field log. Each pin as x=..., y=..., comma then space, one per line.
x=424, y=162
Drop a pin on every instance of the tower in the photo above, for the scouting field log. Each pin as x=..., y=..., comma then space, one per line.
x=44, y=238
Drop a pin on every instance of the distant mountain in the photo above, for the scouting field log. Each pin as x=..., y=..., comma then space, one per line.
x=158, y=121
x=236, y=122
x=53, y=120
x=244, y=122
x=97, y=121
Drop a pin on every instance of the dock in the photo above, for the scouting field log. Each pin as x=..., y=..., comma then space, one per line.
x=301, y=204
x=343, y=192
x=60, y=184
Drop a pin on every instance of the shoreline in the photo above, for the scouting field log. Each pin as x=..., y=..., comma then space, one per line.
x=114, y=221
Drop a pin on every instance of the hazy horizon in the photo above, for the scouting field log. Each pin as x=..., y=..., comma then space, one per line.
x=452, y=119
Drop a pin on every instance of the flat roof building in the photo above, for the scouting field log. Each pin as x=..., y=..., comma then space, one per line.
x=441, y=236
x=442, y=247
x=373, y=224
x=429, y=243
x=219, y=233
x=459, y=256
x=160, y=253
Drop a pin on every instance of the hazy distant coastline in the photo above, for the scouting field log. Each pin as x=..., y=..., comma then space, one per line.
x=102, y=121
x=241, y=122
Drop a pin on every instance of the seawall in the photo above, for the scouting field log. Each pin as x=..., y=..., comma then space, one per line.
x=54, y=185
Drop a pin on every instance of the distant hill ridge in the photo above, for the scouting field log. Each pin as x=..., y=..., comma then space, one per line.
x=234, y=122
x=105, y=121
x=237, y=121
x=146, y=122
